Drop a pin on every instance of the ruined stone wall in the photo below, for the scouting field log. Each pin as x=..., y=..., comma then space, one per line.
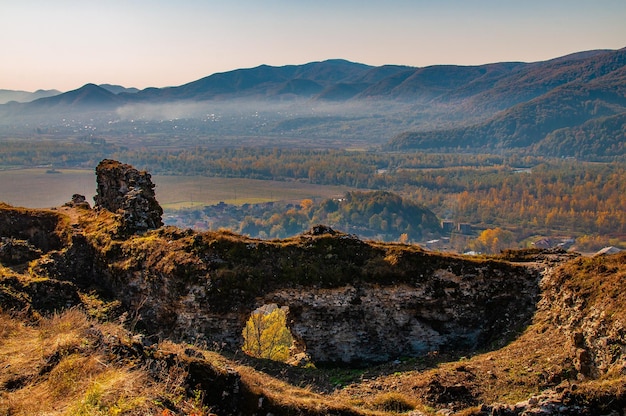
x=368, y=322
x=125, y=190
x=41, y=228
x=423, y=302
x=593, y=325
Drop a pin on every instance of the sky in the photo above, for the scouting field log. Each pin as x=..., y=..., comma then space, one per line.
x=64, y=44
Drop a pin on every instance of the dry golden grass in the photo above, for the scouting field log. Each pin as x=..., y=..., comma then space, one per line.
x=304, y=400
x=393, y=402
x=55, y=368
x=102, y=225
x=537, y=360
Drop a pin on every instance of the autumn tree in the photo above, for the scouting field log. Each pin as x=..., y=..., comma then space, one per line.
x=306, y=204
x=492, y=241
x=266, y=334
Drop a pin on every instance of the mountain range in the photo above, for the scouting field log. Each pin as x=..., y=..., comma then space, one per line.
x=573, y=105
x=25, y=96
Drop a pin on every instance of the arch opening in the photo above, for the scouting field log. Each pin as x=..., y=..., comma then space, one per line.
x=266, y=334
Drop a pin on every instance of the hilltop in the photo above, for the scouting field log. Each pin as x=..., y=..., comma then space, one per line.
x=114, y=314
x=25, y=96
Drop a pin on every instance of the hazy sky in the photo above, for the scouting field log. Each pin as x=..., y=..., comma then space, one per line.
x=64, y=44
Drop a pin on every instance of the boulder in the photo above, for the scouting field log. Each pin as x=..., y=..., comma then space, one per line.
x=78, y=201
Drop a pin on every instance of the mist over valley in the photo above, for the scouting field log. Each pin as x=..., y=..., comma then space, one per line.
x=487, y=108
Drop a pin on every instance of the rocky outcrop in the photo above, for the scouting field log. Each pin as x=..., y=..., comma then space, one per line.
x=592, y=324
x=369, y=322
x=349, y=301
x=561, y=401
x=14, y=251
x=124, y=190
x=416, y=302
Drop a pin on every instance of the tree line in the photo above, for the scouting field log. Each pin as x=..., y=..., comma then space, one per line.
x=523, y=194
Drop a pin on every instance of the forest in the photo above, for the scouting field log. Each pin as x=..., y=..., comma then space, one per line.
x=376, y=215
x=527, y=196
x=541, y=194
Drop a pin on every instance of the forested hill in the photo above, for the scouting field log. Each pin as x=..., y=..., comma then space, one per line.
x=582, y=116
x=377, y=215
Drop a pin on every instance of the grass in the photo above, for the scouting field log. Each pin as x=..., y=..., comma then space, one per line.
x=56, y=367
x=69, y=364
x=59, y=366
x=34, y=188
x=393, y=402
x=300, y=400
x=542, y=357
x=174, y=192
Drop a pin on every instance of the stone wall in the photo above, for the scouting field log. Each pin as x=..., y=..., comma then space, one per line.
x=423, y=302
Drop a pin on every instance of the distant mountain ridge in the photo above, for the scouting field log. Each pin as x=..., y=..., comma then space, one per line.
x=117, y=89
x=25, y=96
x=440, y=82
x=264, y=81
x=487, y=107
x=556, y=99
x=89, y=96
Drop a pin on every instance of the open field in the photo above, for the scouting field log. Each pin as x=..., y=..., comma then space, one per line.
x=184, y=191
x=34, y=188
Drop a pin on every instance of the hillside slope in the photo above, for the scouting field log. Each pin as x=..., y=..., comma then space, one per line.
x=560, y=98
x=101, y=316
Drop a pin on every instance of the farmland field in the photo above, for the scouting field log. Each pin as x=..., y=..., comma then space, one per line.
x=34, y=188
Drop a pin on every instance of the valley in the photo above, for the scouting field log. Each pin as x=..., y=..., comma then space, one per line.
x=176, y=193
x=438, y=240
x=522, y=198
